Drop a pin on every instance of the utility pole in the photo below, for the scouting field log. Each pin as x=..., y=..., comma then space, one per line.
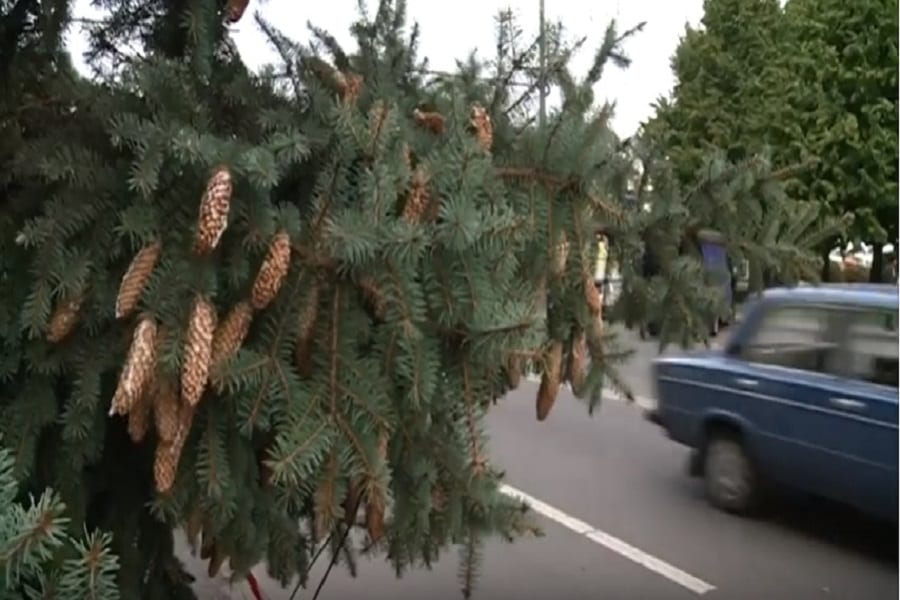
x=542, y=76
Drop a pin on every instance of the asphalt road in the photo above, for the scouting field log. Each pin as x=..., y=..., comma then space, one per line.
x=625, y=521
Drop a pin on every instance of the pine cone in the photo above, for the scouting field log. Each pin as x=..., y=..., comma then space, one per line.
x=419, y=200
x=231, y=332
x=513, y=371
x=136, y=277
x=214, y=205
x=139, y=366
x=577, y=367
x=215, y=561
x=484, y=130
x=378, y=115
x=592, y=297
x=305, y=329
x=352, y=87
x=550, y=381
x=166, y=405
x=373, y=296
x=432, y=121
x=63, y=320
x=139, y=419
x=407, y=156
x=235, y=10
x=168, y=454
x=273, y=271
x=375, y=517
x=197, y=351
x=560, y=255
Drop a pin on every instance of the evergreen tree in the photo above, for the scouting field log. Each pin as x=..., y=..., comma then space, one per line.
x=268, y=308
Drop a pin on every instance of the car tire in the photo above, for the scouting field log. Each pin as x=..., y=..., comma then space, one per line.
x=731, y=481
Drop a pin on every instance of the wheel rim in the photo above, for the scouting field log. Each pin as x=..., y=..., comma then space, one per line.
x=727, y=474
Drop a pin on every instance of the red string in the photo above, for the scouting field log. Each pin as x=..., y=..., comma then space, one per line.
x=254, y=586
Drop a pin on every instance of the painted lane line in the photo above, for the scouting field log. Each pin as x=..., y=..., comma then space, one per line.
x=610, y=542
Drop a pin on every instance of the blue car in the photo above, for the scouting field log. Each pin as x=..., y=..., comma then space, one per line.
x=803, y=394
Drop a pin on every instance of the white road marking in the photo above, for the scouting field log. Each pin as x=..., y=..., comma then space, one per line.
x=620, y=547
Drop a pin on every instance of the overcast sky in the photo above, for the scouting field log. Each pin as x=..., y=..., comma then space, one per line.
x=451, y=29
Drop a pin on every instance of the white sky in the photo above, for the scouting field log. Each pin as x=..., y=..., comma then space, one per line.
x=447, y=34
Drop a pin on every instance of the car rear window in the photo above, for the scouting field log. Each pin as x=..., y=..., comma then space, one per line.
x=795, y=337
x=872, y=349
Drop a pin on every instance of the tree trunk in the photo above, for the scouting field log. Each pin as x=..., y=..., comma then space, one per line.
x=876, y=273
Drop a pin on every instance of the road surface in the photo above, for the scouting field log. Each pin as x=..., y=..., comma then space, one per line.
x=622, y=520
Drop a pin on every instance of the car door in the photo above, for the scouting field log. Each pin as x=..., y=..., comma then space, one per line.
x=784, y=377
x=867, y=401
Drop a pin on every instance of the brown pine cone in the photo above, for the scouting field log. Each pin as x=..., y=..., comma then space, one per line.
x=378, y=115
x=197, y=351
x=550, y=381
x=513, y=371
x=272, y=272
x=352, y=87
x=63, y=320
x=559, y=256
x=139, y=419
x=231, y=332
x=484, y=129
x=166, y=406
x=168, y=453
x=215, y=561
x=137, y=374
x=578, y=359
x=375, y=517
x=306, y=326
x=432, y=121
x=419, y=200
x=592, y=297
x=136, y=277
x=373, y=296
x=214, y=206
x=234, y=10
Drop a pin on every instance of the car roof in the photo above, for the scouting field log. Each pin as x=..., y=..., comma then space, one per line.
x=867, y=294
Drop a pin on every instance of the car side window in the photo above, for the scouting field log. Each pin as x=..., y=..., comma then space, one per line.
x=793, y=337
x=871, y=347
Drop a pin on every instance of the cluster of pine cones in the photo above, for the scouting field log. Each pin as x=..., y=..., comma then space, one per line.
x=142, y=390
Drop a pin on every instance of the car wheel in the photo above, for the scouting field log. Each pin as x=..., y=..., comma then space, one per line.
x=731, y=481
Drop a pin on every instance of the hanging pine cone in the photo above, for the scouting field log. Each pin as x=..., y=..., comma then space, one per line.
x=592, y=297
x=578, y=359
x=63, y=320
x=216, y=561
x=136, y=277
x=373, y=296
x=273, y=271
x=234, y=10
x=559, y=255
x=166, y=406
x=214, y=206
x=419, y=200
x=305, y=329
x=481, y=123
x=168, y=453
x=352, y=87
x=513, y=371
x=139, y=419
x=197, y=351
x=550, y=380
x=231, y=332
x=137, y=373
x=432, y=121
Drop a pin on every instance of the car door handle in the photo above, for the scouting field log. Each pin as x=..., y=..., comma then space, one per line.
x=744, y=382
x=848, y=403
